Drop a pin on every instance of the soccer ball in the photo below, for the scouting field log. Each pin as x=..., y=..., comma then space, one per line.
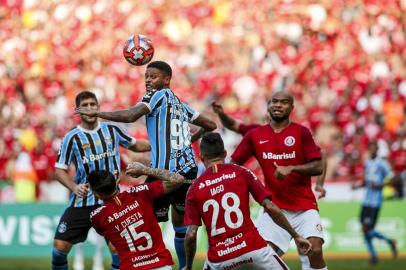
x=138, y=50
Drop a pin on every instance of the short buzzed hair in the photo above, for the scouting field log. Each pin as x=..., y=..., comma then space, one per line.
x=212, y=145
x=84, y=95
x=289, y=96
x=162, y=66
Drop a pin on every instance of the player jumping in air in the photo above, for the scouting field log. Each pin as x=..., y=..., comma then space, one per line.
x=220, y=197
x=168, y=129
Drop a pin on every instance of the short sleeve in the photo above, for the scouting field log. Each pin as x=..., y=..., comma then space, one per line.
x=65, y=152
x=310, y=150
x=124, y=139
x=244, y=150
x=244, y=128
x=258, y=191
x=190, y=112
x=156, y=189
x=192, y=214
x=152, y=98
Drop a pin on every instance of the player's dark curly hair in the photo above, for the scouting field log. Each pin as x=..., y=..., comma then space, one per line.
x=84, y=95
x=162, y=66
x=212, y=145
x=102, y=182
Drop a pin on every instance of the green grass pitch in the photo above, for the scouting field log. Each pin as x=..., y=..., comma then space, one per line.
x=333, y=264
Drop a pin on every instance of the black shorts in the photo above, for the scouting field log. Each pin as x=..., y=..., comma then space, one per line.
x=176, y=198
x=75, y=224
x=369, y=216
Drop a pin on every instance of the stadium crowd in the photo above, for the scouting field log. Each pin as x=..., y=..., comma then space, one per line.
x=343, y=60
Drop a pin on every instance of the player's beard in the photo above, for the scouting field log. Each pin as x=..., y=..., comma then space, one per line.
x=90, y=121
x=279, y=118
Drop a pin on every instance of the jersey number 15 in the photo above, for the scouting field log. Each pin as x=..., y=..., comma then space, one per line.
x=131, y=235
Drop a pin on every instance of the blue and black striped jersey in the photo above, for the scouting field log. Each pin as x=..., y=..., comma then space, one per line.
x=376, y=171
x=91, y=150
x=169, y=131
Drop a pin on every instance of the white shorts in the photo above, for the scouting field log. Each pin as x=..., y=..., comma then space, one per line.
x=163, y=268
x=306, y=223
x=261, y=259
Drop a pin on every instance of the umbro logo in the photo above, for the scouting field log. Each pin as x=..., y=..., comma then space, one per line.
x=262, y=142
x=85, y=146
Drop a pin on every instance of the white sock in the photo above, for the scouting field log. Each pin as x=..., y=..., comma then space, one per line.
x=305, y=262
x=78, y=259
x=324, y=268
x=98, y=255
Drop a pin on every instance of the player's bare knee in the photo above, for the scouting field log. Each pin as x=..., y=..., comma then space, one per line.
x=317, y=246
x=190, y=235
x=62, y=246
x=316, y=251
x=177, y=218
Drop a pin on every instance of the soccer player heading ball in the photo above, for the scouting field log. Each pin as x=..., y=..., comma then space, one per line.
x=168, y=129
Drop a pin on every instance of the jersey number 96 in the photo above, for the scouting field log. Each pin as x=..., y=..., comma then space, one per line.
x=180, y=134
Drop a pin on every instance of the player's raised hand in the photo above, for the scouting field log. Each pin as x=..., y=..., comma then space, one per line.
x=217, y=108
x=303, y=244
x=81, y=190
x=135, y=169
x=86, y=111
x=282, y=171
x=321, y=191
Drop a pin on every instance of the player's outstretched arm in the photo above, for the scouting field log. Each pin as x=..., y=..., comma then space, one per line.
x=140, y=146
x=227, y=121
x=204, y=122
x=124, y=116
x=276, y=214
x=190, y=246
x=170, y=181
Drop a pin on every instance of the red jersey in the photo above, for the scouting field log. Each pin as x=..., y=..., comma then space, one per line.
x=294, y=145
x=244, y=128
x=220, y=196
x=129, y=223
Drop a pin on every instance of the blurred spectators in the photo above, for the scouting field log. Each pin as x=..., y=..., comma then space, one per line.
x=343, y=60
